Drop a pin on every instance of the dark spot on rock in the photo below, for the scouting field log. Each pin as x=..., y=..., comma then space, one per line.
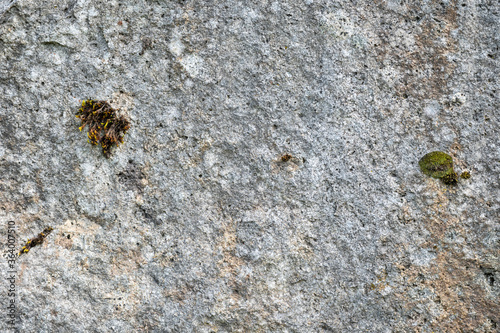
x=147, y=44
x=326, y=327
x=286, y=158
x=489, y=274
x=131, y=177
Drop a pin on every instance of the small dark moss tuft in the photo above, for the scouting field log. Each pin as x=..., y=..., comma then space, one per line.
x=465, y=175
x=286, y=158
x=439, y=165
x=450, y=179
x=105, y=126
x=36, y=241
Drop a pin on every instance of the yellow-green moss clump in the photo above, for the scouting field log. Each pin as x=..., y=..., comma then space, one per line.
x=105, y=126
x=465, y=175
x=439, y=165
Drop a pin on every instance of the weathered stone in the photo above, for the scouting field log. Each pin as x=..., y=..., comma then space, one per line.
x=269, y=181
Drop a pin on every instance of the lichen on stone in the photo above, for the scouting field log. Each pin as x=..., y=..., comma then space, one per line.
x=438, y=165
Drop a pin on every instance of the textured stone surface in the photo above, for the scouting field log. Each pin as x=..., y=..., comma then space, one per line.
x=197, y=224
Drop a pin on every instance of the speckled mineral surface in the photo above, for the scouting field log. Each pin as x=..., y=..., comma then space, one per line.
x=269, y=181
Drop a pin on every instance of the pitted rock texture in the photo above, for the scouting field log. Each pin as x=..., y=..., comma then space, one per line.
x=197, y=223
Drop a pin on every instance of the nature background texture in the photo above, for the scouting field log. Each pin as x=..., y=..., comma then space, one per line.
x=196, y=223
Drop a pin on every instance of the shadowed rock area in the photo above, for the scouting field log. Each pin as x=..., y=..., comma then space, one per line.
x=270, y=179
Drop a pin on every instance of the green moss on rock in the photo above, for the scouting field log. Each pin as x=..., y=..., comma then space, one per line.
x=450, y=179
x=465, y=175
x=438, y=165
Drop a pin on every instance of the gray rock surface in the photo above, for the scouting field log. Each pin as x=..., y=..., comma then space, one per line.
x=196, y=223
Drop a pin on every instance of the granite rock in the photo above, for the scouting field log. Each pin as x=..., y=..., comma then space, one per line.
x=197, y=223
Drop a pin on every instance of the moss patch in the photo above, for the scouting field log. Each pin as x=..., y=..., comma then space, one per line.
x=36, y=241
x=105, y=126
x=450, y=179
x=465, y=175
x=438, y=165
